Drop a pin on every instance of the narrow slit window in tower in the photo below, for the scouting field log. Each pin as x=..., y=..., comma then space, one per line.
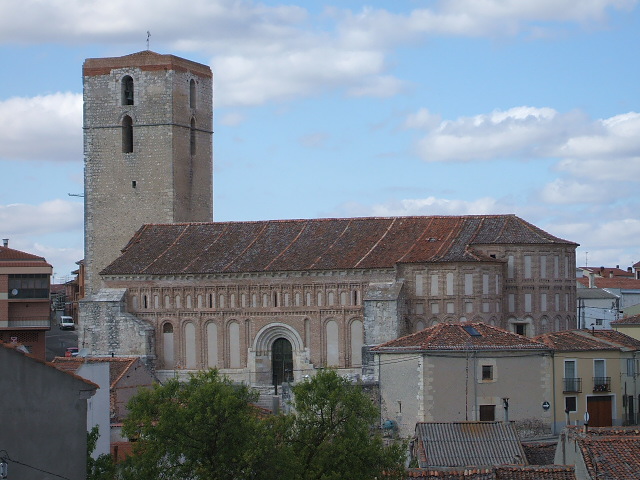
x=192, y=93
x=127, y=134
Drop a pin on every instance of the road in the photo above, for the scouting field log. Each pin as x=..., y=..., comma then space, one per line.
x=58, y=341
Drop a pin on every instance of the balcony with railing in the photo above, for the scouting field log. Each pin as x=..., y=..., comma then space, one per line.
x=601, y=384
x=26, y=322
x=572, y=385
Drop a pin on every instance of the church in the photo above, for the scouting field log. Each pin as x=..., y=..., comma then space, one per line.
x=268, y=302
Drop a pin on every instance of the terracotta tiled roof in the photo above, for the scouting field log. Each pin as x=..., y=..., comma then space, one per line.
x=118, y=365
x=460, y=444
x=461, y=336
x=470, y=473
x=540, y=453
x=618, y=338
x=18, y=258
x=575, y=340
x=630, y=320
x=318, y=244
x=537, y=472
x=515, y=472
x=624, y=283
x=608, y=271
x=610, y=452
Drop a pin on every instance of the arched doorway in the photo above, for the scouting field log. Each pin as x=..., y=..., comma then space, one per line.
x=282, y=361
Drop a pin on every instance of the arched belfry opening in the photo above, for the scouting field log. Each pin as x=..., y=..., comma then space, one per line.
x=282, y=361
x=127, y=90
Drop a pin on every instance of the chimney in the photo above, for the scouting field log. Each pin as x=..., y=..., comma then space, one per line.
x=592, y=277
x=5, y=242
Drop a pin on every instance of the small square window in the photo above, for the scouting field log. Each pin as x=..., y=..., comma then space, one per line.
x=570, y=404
x=520, y=328
x=487, y=372
x=487, y=413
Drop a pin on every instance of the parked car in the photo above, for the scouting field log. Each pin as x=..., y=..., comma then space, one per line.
x=66, y=323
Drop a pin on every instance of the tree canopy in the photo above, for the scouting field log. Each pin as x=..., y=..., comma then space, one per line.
x=208, y=428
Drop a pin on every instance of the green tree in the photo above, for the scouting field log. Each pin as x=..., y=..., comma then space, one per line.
x=102, y=467
x=204, y=428
x=333, y=434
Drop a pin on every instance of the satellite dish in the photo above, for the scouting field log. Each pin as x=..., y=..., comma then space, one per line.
x=14, y=292
x=83, y=352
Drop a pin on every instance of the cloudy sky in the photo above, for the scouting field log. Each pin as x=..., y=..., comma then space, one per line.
x=343, y=109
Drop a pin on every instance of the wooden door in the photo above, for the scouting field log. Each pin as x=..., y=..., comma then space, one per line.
x=599, y=409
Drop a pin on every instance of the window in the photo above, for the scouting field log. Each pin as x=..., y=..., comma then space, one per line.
x=192, y=93
x=127, y=134
x=449, y=284
x=527, y=302
x=127, y=90
x=520, y=328
x=510, y=266
x=570, y=404
x=487, y=413
x=599, y=321
x=527, y=266
x=192, y=137
x=29, y=285
x=487, y=372
x=631, y=367
x=419, y=285
x=468, y=284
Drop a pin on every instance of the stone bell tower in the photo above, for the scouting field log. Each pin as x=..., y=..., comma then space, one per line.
x=148, y=144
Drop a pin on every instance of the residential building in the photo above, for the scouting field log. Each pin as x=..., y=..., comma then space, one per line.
x=600, y=453
x=120, y=379
x=624, y=286
x=597, y=308
x=43, y=417
x=25, y=307
x=465, y=372
x=271, y=301
x=595, y=373
x=629, y=325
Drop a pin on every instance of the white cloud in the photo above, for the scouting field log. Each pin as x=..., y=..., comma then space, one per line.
x=232, y=119
x=47, y=127
x=244, y=80
x=570, y=192
x=263, y=53
x=47, y=217
x=427, y=206
x=595, y=149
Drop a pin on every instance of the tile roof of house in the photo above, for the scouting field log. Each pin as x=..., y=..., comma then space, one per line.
x=618, y=338
x=318, y=244
x=507, y=472
x=16, y=348
x=542, y=453
x=118, y=365
x=461, y=336
x=623, y=283
x=610, y=452
x=594, y=293
x=460, y=444
x=630, y=320
x=18, y=258
x=577, y=340
x=608, y=271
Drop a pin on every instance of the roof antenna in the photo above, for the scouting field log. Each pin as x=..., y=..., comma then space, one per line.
x=148, y=35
